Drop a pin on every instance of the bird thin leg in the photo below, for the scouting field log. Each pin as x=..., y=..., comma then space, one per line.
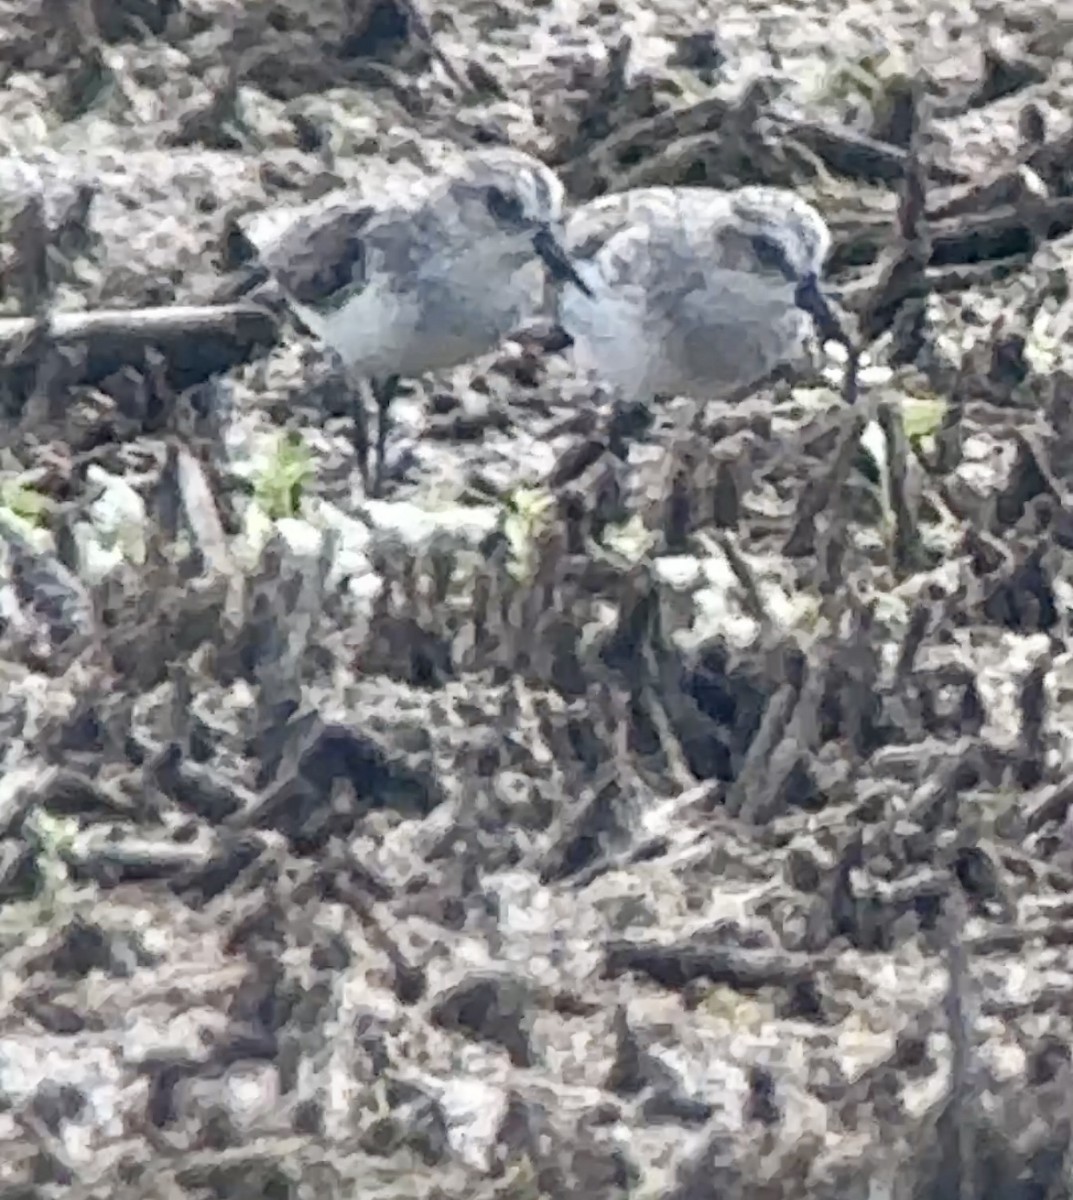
x=628, y=420
x=359, y=434
x=384, y=391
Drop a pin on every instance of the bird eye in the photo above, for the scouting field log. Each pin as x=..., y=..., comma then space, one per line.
x=505, y=208
x=771, y=256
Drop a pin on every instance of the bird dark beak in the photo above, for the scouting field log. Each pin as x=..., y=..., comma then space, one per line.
x=812, y=301
x=556, y=260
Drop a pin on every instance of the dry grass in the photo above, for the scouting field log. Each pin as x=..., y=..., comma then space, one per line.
x=686, y=822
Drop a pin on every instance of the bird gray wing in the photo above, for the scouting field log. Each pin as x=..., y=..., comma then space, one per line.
x=323, y=261
x=315, y=257
x=638, y=237
x=589, y=231
x=669, y=219
x=671, y=243
x=590, y=227
x=323, y=257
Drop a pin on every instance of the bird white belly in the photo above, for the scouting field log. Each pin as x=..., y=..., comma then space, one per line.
x=434, y=324
x=704, y=342
x=371, y=332
x=470, y=313
x=714, y=353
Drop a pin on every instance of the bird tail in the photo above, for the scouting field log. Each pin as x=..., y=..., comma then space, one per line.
x=549, y=337
x=240, y=283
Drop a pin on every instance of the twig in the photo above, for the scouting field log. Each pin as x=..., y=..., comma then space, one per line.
x=199, y=504
x=904, y=538
x=819, y=491
x=919, y=621
x=1032, y=701
x=29, y=235
x=912, y=250
x=957, y=1124
x=420, y=26
x=755, y=770
x=195, y=341
x=754, y=602
x=678, y=138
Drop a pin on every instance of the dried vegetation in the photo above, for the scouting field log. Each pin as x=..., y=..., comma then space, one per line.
x=692, y=823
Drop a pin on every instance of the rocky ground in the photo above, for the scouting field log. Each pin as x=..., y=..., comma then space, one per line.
x=690, y=826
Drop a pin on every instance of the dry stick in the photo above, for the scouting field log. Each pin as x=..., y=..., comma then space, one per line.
x=651, y=694
x=203, y=518
x=858, y=295
x=1030, y=446
x=754, y=602
x=421, y=27
x=114, y=338
x=669, y=742
x=904, y=536
x=28, y=356
x=199, y=504
x=1031, y=749
x=29, y=235
x=1051, y=803
x=820, y=490
x=789, y=729
x=963, y=239
x=912, y=250
x=976, y=221
x=684, y=135
x=919, y=621
x=907, y=265
x=755, y=770
x=801, y=734
x=759, y=791
x=770, y=758
x=957, y=1120
x=950, y=437
x=914, y=256
x=68, y=603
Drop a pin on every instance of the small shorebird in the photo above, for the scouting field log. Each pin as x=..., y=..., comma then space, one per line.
x=692, y=291
x=425, y=283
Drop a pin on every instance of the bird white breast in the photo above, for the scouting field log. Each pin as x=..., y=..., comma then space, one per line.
x=370, y=331
x=612, y=340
